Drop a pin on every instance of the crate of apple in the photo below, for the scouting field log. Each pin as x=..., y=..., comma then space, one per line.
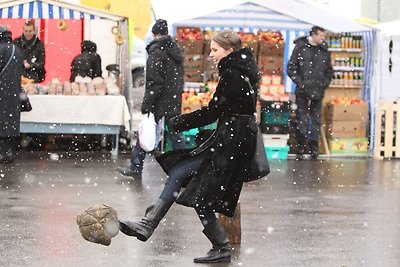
x=189, y=34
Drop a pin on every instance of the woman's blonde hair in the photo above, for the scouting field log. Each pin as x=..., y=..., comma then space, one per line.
x=228, y=39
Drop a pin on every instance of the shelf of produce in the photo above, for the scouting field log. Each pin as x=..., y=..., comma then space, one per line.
x=336, y=86
x=349, y=50
x=344, y=68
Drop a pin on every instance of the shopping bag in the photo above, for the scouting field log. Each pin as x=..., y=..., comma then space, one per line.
x=147, y=132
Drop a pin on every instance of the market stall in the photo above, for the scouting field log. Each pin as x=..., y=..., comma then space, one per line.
x=62, y=27
x=286, y=20
x=57, y=114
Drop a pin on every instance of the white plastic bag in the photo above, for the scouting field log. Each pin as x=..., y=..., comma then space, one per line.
x=147, y=132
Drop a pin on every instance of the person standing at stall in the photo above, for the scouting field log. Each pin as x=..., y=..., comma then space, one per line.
x=87, y=63
x=311, y=70
x=33, y=53
x=10, y=88
x=163, y=91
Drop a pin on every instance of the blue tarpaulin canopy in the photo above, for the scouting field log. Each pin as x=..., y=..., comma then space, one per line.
x=50, y=9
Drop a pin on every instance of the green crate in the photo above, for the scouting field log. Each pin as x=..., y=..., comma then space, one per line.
x=275, y=117
x=189, y=137
x=211, y=126
x=277, y=152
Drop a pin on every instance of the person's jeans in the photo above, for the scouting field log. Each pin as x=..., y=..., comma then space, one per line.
x=177, y=176
x=308, y=118
x=138, y=154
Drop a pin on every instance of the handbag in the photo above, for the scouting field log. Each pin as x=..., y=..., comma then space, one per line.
x=25, y=103
x=258, y=166
x=147, y=132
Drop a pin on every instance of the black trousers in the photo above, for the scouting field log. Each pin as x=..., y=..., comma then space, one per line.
x=308, y=118
x=8, y=147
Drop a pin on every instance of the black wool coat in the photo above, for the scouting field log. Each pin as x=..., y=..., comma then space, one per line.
x=86, y=64
x=310, y=68
x=218, y=182
x=32, y=51
x=164, y=79
x=10, y=87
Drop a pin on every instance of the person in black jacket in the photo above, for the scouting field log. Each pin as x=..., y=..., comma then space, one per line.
x=311, y=70
x=33, y=53
x=87, y=63
x=10, y=88
x=163, y=92
x=212, y=173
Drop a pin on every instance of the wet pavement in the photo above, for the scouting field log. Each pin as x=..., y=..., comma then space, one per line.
x=332, y=212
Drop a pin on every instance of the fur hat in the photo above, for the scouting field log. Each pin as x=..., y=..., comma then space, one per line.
x=160, y=27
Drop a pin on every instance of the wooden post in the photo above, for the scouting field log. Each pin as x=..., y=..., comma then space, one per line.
x=232, y=226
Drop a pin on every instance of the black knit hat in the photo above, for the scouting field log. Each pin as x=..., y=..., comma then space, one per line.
x=5, y=35
x=160, y=27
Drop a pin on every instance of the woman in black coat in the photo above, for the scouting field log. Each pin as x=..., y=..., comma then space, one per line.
x=214, y=172
x=10, y=88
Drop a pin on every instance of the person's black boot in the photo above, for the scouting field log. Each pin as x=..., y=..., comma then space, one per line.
x=301, y=148
x=129, y=172
x=144, y=228
x=314, y=149
x=221, y=250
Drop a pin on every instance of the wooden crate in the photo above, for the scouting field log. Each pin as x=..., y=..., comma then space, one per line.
x=387, y=136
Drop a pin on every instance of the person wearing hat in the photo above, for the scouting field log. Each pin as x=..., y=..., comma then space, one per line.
x=10, y=88
x=163, y=91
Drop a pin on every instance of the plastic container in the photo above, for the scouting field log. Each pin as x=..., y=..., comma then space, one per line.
x=277, y=152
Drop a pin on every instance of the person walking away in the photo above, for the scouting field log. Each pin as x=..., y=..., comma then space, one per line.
x=213, y=173
x=10, y=88
x=311, y=70
x=33, y=53
x=163, y=91
x=87, y=63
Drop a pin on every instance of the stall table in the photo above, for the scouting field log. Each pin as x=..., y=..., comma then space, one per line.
x=59, y=114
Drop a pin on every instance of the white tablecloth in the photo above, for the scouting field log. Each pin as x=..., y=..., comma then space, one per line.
x=106, y=110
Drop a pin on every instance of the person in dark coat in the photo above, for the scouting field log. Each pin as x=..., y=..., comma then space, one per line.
x=212, y=173
x=311, y=70
x=87, y=63
x=163, y=91
x=10, y=88
x=33, y=53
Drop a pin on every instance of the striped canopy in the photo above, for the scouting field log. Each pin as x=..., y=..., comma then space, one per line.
x=50, y=9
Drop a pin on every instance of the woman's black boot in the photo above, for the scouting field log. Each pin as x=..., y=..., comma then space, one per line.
x=221, y=250
x=144, y=228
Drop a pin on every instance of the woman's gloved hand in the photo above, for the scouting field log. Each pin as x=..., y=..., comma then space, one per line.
x=171, y=123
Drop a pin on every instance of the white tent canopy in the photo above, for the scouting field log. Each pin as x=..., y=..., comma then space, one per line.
x=179, y=11
x=388, y=80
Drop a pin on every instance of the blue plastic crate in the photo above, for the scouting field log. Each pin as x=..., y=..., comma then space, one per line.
x=277, y=152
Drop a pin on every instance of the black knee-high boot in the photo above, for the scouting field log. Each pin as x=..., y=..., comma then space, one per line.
x=221, y=250
x=144, y=228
